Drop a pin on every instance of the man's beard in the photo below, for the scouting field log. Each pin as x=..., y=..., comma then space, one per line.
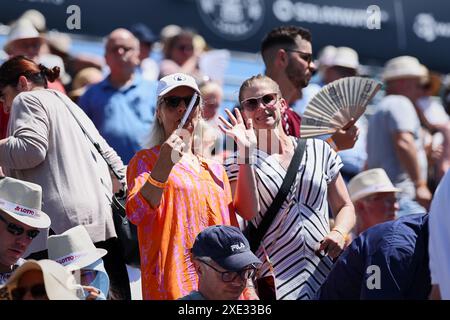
x=299, y=80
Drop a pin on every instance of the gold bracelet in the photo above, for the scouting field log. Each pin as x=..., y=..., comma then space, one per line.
x=153, y=182
x=343, y=234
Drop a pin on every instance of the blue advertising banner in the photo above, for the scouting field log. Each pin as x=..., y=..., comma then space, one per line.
x=377, y=29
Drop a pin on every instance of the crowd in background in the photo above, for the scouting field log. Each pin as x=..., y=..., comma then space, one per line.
x=374, y=192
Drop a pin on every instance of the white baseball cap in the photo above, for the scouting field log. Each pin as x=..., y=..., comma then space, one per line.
x=404, y=67
x=369, y=182
x=345, y=57
x=22, y=200
x=175, y=80
x=74, y=248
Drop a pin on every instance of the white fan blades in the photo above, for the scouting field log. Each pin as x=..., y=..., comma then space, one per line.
x=336, y=104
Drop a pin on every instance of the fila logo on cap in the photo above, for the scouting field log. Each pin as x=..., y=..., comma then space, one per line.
x=236, y=247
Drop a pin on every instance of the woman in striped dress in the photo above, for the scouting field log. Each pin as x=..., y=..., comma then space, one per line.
x=300, y=232
x=174, y=194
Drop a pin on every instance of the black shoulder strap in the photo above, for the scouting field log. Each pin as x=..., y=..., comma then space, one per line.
x=257, y=234
x=95, y=143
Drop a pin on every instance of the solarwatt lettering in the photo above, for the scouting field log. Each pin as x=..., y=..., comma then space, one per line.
x=287, y=10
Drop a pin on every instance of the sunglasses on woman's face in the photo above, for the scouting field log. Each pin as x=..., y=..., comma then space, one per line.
x=86, y=276
x=18, y=230
x=37, y=292
x=174, y=101
x=252, y=103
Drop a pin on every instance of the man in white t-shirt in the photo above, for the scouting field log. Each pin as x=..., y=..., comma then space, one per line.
x=439, y=240
x=394, y=135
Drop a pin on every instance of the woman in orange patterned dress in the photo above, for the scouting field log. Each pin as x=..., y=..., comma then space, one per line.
x=174, y=194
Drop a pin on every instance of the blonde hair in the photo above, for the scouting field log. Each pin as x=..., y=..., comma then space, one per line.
x=250, y=82
x=157, y=135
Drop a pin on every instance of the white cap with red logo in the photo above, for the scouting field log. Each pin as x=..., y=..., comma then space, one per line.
x=22, y=201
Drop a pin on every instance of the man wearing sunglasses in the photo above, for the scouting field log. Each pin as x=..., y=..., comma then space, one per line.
x=224, y=264
x=287, y=56
x=21, y=220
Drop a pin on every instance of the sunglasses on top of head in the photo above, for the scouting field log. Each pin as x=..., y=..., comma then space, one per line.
x=174, y=101
x=18, y=230
x=252, y=103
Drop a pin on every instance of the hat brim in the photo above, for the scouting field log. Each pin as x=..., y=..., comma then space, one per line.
x=170, y=88
x=8, y=44
x=364, y=193
x=90, y=258
x=53, y=292
x=42, y=223
x=239, y=261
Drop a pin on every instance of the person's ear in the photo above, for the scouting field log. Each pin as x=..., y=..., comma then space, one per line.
x=283, y=105
x=281, y=58
x=22, y=84
x=197, y=267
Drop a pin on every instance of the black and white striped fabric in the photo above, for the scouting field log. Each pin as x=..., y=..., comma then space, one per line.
x=302, y=221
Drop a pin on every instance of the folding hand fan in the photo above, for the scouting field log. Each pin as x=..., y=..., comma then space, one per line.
x=336, y=104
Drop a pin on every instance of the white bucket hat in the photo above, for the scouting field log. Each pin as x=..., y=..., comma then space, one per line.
x=345, y=57
x=59, y=283
x=22, y=200
x=74, y=248
x=22, y=29
x=403, y=67
x=369, y=182
x=175, y=80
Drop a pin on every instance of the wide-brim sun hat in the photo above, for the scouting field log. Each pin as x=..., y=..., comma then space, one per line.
x=370, y=182
x=74, y=248
x=403, y=67
x=22, y=29
x=59, y=283
x=22, y=201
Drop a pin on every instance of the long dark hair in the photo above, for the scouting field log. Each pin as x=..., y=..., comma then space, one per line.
x=12, y=69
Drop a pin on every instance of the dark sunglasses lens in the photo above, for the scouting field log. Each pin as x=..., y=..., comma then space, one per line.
x=38, y=291
x=33, y=233
x=18, y=293
x=250, y=104
x=15, y=229
x=173, y=102
x=268, y=99
x=187, y=100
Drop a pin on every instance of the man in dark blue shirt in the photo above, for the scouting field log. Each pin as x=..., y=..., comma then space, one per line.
x=388, y=261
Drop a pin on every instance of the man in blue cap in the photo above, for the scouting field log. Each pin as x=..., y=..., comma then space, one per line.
x=224, y=264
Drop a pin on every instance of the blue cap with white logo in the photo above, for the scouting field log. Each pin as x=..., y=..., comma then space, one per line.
x=226, y=245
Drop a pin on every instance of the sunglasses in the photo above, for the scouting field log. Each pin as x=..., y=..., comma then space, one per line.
x=18, y=230
x=185, y=48
x=86, y=276
x=174, y=101
x=307, y=57
x=230, y=276
x=268, y=100
x=37, y=292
